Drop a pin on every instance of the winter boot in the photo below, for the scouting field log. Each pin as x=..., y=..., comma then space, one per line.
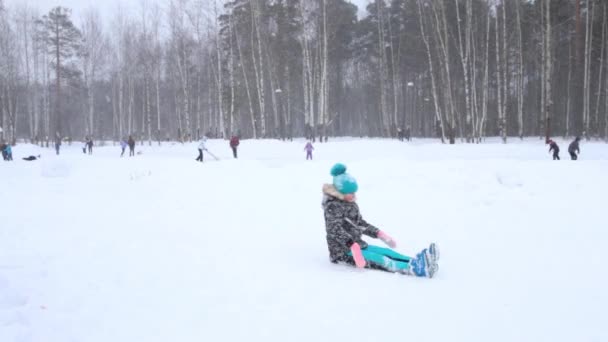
x=423, y=265
x=434, y=252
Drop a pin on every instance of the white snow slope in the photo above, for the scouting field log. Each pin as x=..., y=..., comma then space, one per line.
x=161, y=248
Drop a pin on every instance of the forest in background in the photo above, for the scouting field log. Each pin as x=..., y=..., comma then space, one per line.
x=456, y=70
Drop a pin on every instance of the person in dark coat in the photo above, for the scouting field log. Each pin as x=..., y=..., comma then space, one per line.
x=3, y=150
x=57, y=144
x=555, y=148
x=7, y=152
x=345, y=227
x=574, y=148
x=234, y=143
x=131, y=143
x=90, y=145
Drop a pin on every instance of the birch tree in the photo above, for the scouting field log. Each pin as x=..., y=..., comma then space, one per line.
x=92, y=57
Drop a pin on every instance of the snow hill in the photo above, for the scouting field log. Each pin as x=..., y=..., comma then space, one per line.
x=158, y=247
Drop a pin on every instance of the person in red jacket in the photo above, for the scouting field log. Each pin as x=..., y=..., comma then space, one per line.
x=234, y=143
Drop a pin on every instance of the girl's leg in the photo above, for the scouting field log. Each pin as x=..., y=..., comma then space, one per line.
x=379, y=261
x=388, y=252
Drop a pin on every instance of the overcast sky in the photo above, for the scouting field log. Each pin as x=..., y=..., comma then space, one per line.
x=107, y=7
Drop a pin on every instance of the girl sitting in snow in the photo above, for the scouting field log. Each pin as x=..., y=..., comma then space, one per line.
x=345, y=227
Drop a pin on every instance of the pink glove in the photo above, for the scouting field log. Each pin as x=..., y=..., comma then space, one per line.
x=387, y=239
x=355, y=249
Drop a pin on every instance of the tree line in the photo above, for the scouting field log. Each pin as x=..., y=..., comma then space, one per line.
x=457, y=70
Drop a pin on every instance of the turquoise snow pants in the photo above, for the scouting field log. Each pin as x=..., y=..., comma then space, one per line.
x=385, y=259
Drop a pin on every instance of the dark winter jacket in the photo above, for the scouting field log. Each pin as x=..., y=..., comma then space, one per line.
x=234, y=141
x=574, y=147
x=554, y=147
x=343, y=224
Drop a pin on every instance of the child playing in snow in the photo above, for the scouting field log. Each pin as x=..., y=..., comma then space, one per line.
x=555, y=148
x=7, y=152
x=234, y=144
x=123, y=147
x=345, y=227
x=574, y=148
x=201, y=147
x=308, y=148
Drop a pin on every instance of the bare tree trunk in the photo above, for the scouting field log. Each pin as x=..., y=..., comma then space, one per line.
x=606, y=105
x=120, y=104
x=36, y=94
x=246, y=79
x=549, y=67
x=220, y=84
x=442, y=36
x=324, y=108
x=57, y=84
x=47, y=98
x=501, y=118
x=543, y=69
x=185, y=78
x=307, y=77
x=383, y=72
x=505, y=69
x=148, y=111
x=486, y=74
x=520, y=74
x=587, y=76
x=131, y=93
x=259, y=74
x=474, y=86
x=158, y=105
x=394, y=75
x=25, y=31
x=438, y=116
x=568, y=86
x=596, y=119
x=288, y=122
x=231, y=75
x=464, y=59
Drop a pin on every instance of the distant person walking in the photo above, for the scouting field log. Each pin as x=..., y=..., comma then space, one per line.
x=131, y=143
x=90, y=145
x=201, y=147
x=57, y=143
x=3, y=149
x=7, y=152
x=309, y=148
x=234, y=144
x=123, y=146
x=555, y=148
x=574, y=148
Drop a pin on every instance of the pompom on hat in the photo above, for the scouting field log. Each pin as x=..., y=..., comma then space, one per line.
x=343, y=182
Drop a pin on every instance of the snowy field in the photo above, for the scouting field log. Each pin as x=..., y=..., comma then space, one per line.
x=161, y=248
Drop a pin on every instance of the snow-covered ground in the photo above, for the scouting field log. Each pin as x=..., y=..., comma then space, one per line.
x=161, y=248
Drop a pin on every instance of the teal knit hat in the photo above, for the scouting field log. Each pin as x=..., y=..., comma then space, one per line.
x=343, y=182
